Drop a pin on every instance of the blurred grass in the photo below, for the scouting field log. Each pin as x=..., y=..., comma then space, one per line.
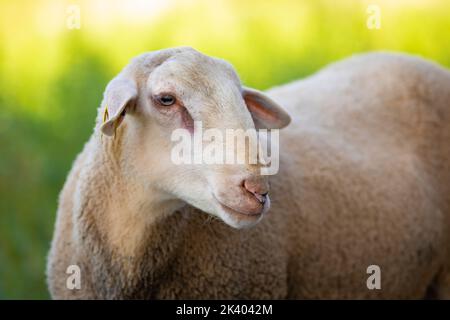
x=52, y=79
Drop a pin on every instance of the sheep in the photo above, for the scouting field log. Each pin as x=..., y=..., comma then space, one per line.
x=364, y=180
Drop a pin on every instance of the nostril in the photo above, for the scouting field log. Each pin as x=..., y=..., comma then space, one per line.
x=258, y=190
x=261, y=197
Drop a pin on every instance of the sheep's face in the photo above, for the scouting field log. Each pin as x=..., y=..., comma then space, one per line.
x=183, y=103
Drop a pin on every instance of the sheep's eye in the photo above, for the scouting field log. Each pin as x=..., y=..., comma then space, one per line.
x=166, y=100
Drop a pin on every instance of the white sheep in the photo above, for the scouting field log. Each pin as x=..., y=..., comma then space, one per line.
x=364, y=180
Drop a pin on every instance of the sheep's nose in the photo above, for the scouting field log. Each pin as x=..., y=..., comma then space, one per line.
x=258, y=188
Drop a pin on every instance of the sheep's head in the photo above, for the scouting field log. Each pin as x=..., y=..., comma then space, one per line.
x=161, y=92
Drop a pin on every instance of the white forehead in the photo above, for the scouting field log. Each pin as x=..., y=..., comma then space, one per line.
x=191, y=73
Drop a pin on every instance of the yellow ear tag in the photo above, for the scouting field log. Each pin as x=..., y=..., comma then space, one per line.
x=105, y=114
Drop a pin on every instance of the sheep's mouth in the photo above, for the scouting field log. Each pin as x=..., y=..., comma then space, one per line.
x=243, y=215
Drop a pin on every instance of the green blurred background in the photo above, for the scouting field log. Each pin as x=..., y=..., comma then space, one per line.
x=52, y=78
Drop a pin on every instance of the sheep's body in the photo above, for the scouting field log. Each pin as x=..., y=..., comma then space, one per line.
x=364, y=180
x=368, y=167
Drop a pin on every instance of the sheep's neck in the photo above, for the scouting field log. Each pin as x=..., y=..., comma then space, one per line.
x=128, y=224
x=132, y=213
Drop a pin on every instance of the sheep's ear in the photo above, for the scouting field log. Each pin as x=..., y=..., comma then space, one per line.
x=266, y=113
x=119, y=94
